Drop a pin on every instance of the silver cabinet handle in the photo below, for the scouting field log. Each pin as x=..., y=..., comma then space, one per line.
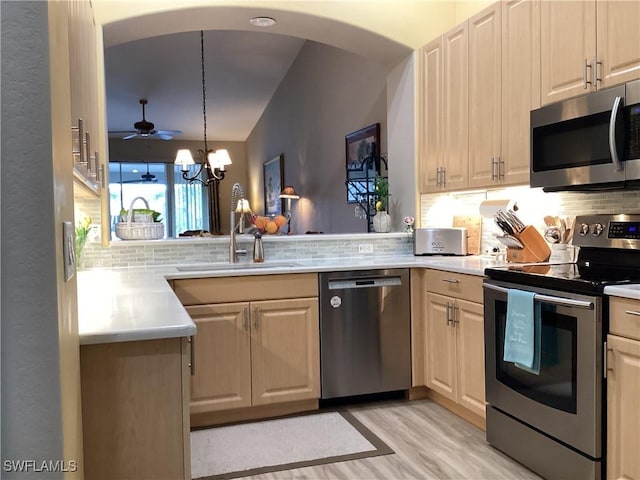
x=439, y=176
x=256, y=312
x=500, y=163
x=494, y=176
x=444, y=177
x=450, y=280
x=449, y=308
x=605, y=368
x=245, y=321
x=633, y=312
x=585, y=77
x=456, y=309
x=595, y=71
x=192, y=356
x=613, y=148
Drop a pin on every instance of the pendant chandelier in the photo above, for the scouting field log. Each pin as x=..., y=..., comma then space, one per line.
x=211, y=162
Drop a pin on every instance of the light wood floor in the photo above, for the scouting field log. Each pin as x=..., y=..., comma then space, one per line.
x=429, y=441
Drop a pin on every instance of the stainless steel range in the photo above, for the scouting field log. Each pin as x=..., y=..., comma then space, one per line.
x=553, y=420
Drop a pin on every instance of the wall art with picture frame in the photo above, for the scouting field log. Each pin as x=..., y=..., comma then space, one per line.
x=273, y=178
x=362, y=150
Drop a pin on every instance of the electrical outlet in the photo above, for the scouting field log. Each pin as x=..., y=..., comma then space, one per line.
x=365, y=248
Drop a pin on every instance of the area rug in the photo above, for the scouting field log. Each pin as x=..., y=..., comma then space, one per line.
x=281, y=444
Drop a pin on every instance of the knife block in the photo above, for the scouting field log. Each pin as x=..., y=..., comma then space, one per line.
x=535, y=248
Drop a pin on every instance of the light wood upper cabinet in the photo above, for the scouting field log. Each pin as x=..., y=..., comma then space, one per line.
x=222, y=357
x=485, y=94
x=520, y=86
x=618, y=37
x=455, y=108
x=431, y=115
x=285, y=355
x=588, y=45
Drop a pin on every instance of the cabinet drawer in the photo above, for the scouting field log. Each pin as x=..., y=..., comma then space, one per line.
x=458, y=285
x=200, y=291
x=625, y=317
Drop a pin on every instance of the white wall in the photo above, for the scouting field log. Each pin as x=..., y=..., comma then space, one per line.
x=401, y=136
x=31, y=393
x=327, y=94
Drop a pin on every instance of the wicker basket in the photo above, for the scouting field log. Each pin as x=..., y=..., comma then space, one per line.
x=130, y=230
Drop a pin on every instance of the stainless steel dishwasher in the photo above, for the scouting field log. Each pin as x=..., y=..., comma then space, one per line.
x=365, y=338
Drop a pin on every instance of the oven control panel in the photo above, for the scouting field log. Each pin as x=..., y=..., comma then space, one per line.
x=608, y=231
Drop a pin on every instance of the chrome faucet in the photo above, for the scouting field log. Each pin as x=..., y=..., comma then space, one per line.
x=237, y=193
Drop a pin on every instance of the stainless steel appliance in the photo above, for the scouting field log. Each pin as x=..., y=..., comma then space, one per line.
x=554, y=421
x=589, y=142
x=365, y=344
x=440, y=241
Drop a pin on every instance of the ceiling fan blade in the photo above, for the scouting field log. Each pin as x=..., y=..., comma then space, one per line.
x=169, y=132
x=127, y=137
x=164, y=136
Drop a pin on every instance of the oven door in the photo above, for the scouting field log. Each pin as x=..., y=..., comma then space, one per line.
x=564, y=400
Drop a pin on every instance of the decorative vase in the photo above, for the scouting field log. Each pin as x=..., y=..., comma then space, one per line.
x=382, y=222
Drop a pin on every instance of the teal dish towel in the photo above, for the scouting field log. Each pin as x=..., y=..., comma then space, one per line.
x=522, y=337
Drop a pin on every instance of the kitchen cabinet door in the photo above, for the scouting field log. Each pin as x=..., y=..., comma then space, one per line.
x=222, y=378
x=623, y=414
x=285, y=354
x=456, y=108
x=618, y=32
x=470, y=356
x=485, y=93
x=441, y=346
x=568, y=47
x=431, y=115
x=520, y=86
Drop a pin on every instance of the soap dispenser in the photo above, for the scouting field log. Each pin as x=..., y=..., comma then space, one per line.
x=258, y=248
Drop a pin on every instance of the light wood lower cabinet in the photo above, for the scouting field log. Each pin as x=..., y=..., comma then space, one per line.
x=623, y=390
x=255, y=352
x=448, y=340
x=135, y=415
x=455, y=350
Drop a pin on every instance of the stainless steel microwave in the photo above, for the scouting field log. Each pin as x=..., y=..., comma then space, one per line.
x=591, y=142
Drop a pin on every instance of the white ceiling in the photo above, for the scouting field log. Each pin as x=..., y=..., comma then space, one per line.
x=157, y=57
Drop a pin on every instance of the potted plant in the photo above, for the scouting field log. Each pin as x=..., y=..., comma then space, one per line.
x=381, y=220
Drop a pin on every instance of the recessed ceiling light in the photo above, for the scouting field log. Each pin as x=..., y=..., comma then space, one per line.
x=262, y=21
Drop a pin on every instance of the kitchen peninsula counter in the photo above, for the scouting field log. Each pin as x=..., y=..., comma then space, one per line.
x=137, y=303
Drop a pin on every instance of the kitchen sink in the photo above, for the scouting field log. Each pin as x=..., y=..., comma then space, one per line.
x=207, y=267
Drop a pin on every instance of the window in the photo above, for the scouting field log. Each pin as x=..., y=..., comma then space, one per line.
x=183, y=206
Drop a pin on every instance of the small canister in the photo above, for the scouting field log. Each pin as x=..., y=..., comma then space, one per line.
x=258, y=248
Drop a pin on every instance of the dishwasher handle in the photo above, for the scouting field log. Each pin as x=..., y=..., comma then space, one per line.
x=373, y=282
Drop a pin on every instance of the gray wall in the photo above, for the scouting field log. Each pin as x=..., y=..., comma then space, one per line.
x=31, y=398
x=326, y=94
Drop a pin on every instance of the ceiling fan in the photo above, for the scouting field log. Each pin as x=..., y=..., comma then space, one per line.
x=145, y=129
x=144, y=178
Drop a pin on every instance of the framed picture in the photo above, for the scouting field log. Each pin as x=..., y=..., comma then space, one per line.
x=362, y=144
x=273, y=178
x=362, y=150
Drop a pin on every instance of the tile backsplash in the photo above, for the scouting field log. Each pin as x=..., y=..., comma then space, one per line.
x=436, y=210
x=533, y=204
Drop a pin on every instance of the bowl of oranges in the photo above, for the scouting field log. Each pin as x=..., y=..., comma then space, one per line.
x=270, y=225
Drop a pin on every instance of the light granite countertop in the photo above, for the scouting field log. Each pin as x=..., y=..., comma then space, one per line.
x=137, y=303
